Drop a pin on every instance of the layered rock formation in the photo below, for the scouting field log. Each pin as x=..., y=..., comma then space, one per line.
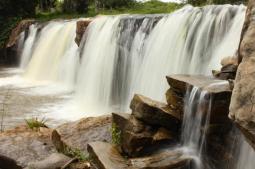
x=243, y=99
x=148, y=137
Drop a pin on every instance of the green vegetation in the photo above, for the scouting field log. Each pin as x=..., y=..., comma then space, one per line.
x=35, y=123
x=116, y=134
x=76, y=153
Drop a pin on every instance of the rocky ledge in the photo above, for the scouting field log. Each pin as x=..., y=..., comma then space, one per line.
x=81, y=27
x=147, y=137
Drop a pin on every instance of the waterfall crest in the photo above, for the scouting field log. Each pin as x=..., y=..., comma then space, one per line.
x=124, y=55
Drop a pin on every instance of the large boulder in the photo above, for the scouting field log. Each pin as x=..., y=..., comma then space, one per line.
x=81, y=27
x=54, y=161
x=79, y=133
x=135, y=136
x=25, y=145
x=155, y=113
x=243, y=98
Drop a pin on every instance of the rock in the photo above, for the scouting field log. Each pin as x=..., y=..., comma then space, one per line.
x=242, y=109
x=21, y=27
x=81, y=27
x=106, y=156
x=218, y=90
x=136, y=136
x=8, y=163
x=175, y=101
x=164, y=160
x=12, y=49
x=25, y=145
x=227, y=72
x=230, y=60
x=77, y=134
x=54, y=161
x=155, y=113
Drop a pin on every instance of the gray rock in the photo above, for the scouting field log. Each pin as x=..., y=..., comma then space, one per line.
x=54, y=161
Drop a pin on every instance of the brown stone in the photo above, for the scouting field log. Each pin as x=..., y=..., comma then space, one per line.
x=164, y=160
x=8, y=163
x=175, y=100
x=136, y=136
x=242, y=109
x=155, y=113
x=77, y=134
x=106, y=156
x=21, y=27
x=81, y=27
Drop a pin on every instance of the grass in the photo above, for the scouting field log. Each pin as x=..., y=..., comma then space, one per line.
x=150, y=7
x=76, y=153
x=35, y=123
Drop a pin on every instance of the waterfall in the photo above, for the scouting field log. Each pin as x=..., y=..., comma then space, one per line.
x=28, y=46
x=246, y=158
x=54, y=55
x=127, y=54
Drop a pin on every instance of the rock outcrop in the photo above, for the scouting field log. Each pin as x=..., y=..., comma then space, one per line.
x=106, y=156
x=12, y=52
x=81, y=27
x=242, y=109
x=136, y=136
x=25, y=145
x=78, y=134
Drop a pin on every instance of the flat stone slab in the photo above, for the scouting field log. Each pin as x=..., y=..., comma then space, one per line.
x=166, y=160
x=106, y=156
x=207, y=83
x=217, y=90
x=155, y=113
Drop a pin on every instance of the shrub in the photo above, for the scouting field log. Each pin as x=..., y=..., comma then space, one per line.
x=35, y=123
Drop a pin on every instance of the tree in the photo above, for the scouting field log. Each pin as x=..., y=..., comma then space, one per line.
x=109, y=4
x=80, y=6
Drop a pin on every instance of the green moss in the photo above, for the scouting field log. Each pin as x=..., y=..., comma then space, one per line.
x=116, y=134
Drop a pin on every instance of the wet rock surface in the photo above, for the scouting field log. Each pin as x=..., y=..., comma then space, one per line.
x=106, y=156
x=218, y=90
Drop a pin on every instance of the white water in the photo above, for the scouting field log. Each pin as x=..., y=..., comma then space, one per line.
x=54, y=56
x=136, y=53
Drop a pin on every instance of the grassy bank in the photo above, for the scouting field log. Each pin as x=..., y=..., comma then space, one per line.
x=150, y=7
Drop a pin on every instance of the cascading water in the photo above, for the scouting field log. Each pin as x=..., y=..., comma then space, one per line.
x=124, y=55
x=28, y=46
x=54, y=56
